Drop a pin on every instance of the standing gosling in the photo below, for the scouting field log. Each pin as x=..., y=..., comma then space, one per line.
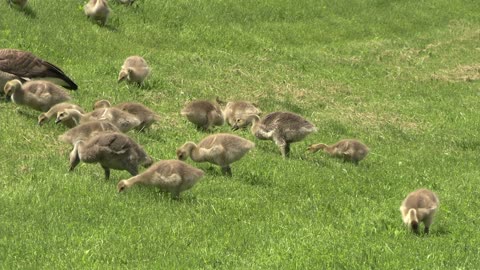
x=44, y=117
x=84, y=131
x=221, y=149
x=97, y=10
x=348, y=150
x=239, y=110
x=173, y=176
x=419, y=206
x=38, y=95
x=135, y=69
x=123, y=120
x=283, y=128
x=113, y=150
x=203, y=114
x=146, y=116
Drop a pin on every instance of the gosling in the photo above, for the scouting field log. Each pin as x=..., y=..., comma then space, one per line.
x=239, y=110
x=348, y=150
x=283, y=128
x=97, y=10
x=146, y=116
x=173, y=176
x=134, y=70
x=45, y=117
x=203, y=114
x=38, y=95
x=419, y=206
x=123, y=120
x=113, y=150
x=221, y=149
x=84, y=131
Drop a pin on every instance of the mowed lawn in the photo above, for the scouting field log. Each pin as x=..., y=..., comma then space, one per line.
x=401, y=76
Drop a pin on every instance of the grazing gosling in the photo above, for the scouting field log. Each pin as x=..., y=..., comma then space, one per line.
x=38, y=95
x=146, y=116
x=173, y=176
x=44, y=117
x=123, y=120
x=97, y=10
x=19, y=3
x=239, y=110
x=203, y=114
x=348, y=150
x=283, y=128
x=113, y=150
x=419, y=206
x=84, y=131
x=134, y=70
x=221, y=149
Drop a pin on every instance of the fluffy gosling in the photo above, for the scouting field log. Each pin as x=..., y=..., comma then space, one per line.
x=419, y=206
x=38, y=95
x=23, y=65
x=349, y=150
x=97, y=10
x=44, y=117
x=203, y=114
x=113, y=150
x=86, y=130
x=239, y=110
x=221, y=149
x=173, y=176
x=146, y=116
x=134, y=70
x=123, y=120
x=283, y=128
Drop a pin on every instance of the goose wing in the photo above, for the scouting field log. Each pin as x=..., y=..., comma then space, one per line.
x=26, y=65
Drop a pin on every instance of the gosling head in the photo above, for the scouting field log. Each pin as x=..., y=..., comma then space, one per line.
x=315, y=147
x=103, y=103
x=122, y=185
x=182, y=154
x=411, y=220
x=11, y=86
x=124, y=74
x=62, y=116
x=245, y=121
x=42, y=119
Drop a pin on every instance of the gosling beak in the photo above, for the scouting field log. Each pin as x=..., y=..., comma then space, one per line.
x=57, y=120
x=234, y=127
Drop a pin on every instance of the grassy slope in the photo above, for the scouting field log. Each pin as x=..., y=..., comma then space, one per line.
x=388, y=72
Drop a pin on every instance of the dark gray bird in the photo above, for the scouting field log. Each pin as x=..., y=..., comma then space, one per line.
x=23, y=65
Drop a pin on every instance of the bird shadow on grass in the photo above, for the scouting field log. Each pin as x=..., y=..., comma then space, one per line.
x=27, y=11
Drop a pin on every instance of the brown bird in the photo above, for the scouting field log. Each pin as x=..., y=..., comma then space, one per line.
x=221, y=149
x=113, y=150
x=283, y=128
x=23, y=65
x=419, y=206
x=348, y=150
x=146, y=116
x=203, y=114
x=173, y=176
x=38, y=95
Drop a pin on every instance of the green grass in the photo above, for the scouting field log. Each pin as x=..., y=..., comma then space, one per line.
x=402, y=76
